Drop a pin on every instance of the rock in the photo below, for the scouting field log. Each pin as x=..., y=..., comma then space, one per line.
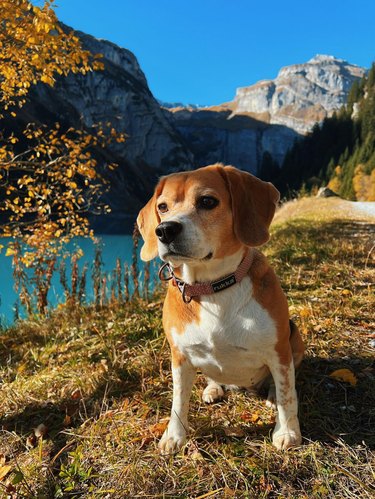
x=301, y=94
x=217, y=135
x=326, y=192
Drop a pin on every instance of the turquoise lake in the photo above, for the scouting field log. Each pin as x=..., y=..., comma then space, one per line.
x=113, y=247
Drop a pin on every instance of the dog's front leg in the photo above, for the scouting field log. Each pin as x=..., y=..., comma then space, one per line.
x=183, y=374
x=287, y=432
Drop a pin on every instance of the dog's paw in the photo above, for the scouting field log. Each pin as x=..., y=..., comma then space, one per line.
x=212, y=393
x=171, y=442
x=284, y=438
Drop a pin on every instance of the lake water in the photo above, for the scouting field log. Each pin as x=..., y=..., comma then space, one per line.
x=113, y=247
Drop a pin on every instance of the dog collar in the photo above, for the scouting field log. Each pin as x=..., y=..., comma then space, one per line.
x=189, y=291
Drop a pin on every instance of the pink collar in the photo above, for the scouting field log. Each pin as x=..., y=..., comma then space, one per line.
x=189, y=291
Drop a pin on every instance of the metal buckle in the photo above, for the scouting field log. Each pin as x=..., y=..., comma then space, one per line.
x=181, y=285
x=162, y=277
x=185, y=299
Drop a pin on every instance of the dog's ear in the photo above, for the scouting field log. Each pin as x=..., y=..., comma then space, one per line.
x=253, y=205
x=147, y=221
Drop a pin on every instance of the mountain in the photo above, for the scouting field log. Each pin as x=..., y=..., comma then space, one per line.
x=216, y=134
x=263, y=121
x=266, y=117
x=301, y=94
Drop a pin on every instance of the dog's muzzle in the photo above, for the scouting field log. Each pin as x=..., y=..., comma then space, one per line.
x=168, y=231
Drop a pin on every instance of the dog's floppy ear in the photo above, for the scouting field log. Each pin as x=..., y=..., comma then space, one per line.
x=147, y=221
x=253, y=205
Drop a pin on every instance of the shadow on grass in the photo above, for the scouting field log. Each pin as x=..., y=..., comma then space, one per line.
x=67, y=414
x=330, y=409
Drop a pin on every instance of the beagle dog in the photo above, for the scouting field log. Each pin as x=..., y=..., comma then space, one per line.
x=225, y=313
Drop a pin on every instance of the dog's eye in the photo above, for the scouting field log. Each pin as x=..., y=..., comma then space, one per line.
x=207, y=202
x=163, y=207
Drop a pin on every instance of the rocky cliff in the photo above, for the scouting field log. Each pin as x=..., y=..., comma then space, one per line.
x=219, y=135
x=267, y=116
x=301, y=94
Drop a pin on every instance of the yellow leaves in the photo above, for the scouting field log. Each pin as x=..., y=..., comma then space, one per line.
x=252, y=417
x=305, y=312
x=344, y=375
x=33, y=48
x=158, y=429
x=10, y=251
x=45, y=78
x=47, y=206
x=4, y=470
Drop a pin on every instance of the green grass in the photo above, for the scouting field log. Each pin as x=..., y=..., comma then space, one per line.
x=100, y=381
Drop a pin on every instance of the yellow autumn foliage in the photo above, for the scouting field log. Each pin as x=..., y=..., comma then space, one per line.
x=364, y=184
x=50, y=184
x=34, y=47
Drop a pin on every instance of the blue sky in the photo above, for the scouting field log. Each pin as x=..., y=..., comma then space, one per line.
x=200, y=51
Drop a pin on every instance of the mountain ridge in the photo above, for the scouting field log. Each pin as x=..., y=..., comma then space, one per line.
x=162, y=139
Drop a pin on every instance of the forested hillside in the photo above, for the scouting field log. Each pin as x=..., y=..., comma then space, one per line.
x=340, y=152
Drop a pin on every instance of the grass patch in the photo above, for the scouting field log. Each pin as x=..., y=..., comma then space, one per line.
x=100, y=382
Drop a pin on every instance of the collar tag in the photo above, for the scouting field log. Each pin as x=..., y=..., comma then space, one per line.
x=224, y=283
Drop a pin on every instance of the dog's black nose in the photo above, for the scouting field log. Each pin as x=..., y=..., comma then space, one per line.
x=168, y=231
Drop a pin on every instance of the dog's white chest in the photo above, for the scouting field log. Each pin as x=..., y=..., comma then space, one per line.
x=233, y=338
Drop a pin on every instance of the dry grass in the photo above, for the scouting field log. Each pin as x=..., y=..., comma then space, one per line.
x=100, y=381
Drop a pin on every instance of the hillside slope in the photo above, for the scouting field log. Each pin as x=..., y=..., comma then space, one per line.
x=100, y=381
x=341, y=151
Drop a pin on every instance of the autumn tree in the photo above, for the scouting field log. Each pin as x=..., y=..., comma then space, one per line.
x=49, y=178
x=33, y=48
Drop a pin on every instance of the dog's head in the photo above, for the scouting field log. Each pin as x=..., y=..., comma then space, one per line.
x=206, y=213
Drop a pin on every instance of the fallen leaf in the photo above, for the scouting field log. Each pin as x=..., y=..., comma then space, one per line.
x=76, y=394
x=4, y=470
x=345, y=375
x=305, y=312
x=67, y=420
x=255, y=417
x=158, y=429
x=246, y=416
x=250, y=416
